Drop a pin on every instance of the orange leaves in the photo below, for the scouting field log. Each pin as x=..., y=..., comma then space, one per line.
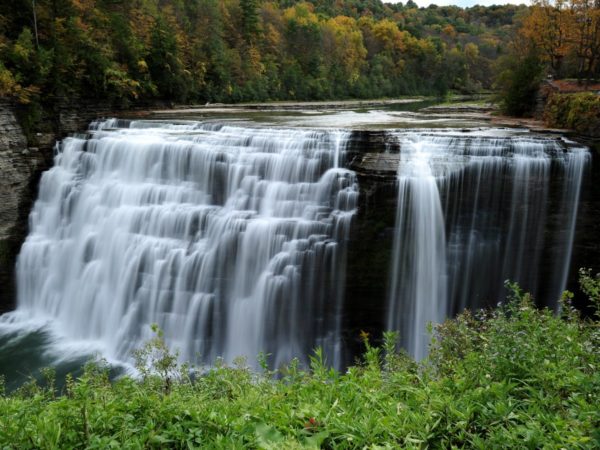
x=548, y=26
x=561, y=29
x=449, y=31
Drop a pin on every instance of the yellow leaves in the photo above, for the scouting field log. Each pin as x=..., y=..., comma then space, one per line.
x=272, y=38
x=117, y=80
x=383, y=36
x=302, y=14
x=389, y=36
x=10, y=87
x=254, y=61
x=142, y=66
x=471, y=52
x=343, y=23
x=21, y=51
x=8, y=84
x=345, y=45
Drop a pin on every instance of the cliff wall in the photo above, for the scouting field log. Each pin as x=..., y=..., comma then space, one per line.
x=22, y=162
x=20, y=168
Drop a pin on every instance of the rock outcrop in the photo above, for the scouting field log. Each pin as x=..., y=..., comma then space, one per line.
x=20, y=168
x=21, y=165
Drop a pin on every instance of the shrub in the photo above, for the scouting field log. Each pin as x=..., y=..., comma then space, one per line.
x=518, y=83
x=579, y=112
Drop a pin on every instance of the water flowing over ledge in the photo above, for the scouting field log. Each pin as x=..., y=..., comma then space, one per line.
x=474, y=211
x=234, y=239
x=230, y=239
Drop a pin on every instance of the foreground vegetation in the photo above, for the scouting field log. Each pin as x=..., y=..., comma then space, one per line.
x=514, y=377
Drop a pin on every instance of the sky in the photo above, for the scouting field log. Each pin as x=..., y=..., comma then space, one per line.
x=464, y=3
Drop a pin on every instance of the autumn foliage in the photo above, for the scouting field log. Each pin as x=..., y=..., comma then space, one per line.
x=567, y=35
x=144, y=51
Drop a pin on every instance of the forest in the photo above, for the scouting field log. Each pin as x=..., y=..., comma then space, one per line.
x=182, y=51
x=197, y=51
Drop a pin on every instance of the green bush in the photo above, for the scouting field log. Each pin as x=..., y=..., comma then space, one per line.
x=518, y=82
x=514, y=377
x=579, y=112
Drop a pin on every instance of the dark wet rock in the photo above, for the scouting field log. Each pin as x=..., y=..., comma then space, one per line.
x=20, y=169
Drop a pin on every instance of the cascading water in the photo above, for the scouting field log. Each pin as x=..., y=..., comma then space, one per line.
x=419, y=251
x=234, y=239
x=474, y=211
x=231, y=239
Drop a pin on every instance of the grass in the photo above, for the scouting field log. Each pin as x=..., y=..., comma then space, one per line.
x=513, y=377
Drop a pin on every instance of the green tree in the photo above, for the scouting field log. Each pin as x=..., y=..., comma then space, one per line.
x=165, y=67
x=519, y=82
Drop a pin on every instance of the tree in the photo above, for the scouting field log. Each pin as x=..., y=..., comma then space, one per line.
x=166, y=69
x=250, y=20
x=585, y=35
x=547, y=26
x=519, y=82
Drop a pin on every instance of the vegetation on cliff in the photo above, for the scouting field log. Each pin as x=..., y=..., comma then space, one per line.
x=514, y=377
x=555, y=38
x=579, y=112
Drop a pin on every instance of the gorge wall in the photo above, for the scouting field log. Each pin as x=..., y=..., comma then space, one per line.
x=20, y=167
x=22, y=161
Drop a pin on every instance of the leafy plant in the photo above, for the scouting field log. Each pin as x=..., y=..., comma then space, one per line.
x=155, y=359
x=580, y=112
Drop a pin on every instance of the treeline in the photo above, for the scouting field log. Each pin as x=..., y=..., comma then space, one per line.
x=245, y=50
x=556, y=39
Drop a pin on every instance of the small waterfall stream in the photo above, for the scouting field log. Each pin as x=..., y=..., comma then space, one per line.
x=474, y=211
x=419, y=251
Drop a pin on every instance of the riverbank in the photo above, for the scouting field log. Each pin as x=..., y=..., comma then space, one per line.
x=291, y=106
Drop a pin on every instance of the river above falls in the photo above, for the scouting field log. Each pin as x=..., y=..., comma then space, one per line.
x=376, y=115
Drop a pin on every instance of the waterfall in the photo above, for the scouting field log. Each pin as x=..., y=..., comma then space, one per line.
x=419, y=251
x=231, y=239
x=234, y=238
x=474, y=210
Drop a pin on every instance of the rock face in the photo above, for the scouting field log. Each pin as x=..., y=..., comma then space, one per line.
x=20, y=167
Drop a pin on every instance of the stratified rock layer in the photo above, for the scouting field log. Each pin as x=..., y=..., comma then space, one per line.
x=19, y=168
